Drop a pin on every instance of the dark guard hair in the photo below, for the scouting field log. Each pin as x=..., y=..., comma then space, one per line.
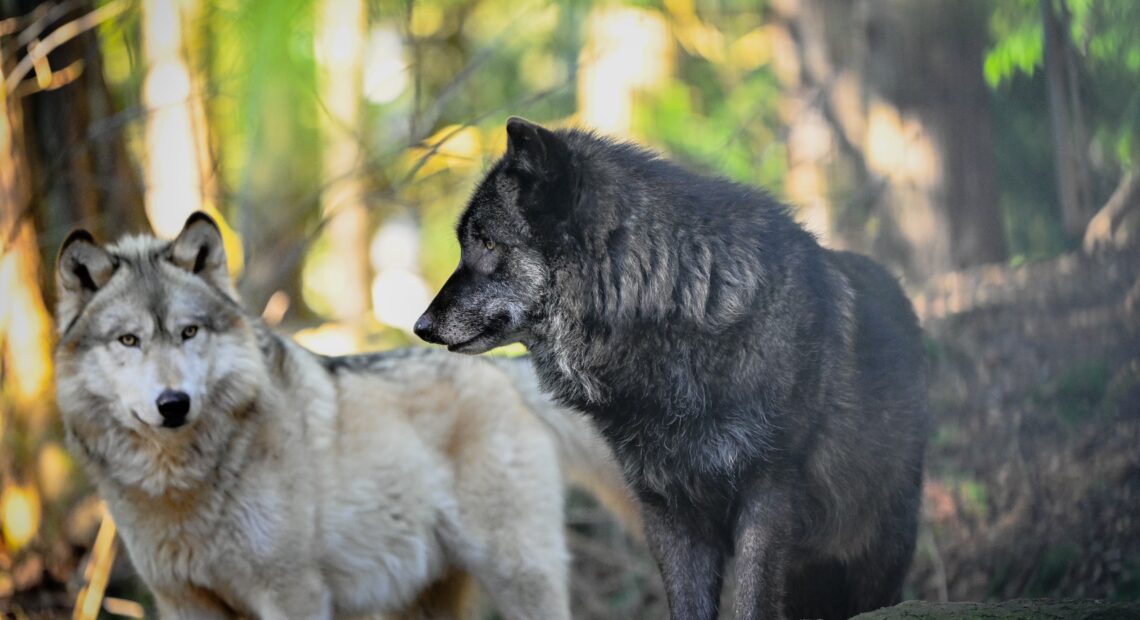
x=764, y=395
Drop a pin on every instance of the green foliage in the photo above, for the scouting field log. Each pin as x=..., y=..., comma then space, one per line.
x=728, y=131
x=1078, y=394
x=1024, y=145
x=1019, y=44
x=975, y=498
x=720, y=113
x=1051, y=569
x=1106, y=37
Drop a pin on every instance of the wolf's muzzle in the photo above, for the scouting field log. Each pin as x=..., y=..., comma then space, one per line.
x=173, y=406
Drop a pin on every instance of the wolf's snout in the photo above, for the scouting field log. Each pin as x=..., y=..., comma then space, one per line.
x=425, y=328
x=173, y=405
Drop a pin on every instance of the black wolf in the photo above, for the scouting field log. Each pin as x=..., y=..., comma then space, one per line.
x=764, y=395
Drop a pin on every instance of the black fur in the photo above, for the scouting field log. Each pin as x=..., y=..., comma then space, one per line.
x=764, y=395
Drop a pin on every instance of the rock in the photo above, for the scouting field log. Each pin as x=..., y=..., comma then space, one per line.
x=1018, y=609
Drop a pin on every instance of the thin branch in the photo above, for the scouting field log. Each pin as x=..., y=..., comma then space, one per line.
x=47, y=16
x=62, y=35
x=102, y=559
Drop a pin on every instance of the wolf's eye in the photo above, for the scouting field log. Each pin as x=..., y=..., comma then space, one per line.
x=490, y=245
x=189, y=332
x=129, y=340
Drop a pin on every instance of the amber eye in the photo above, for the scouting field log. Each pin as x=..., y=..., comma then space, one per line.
x=189, y=332
x=490, y=245
x=129, y=340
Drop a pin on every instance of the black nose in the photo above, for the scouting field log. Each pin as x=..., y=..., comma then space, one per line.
x=173, y=406
x=425, y=328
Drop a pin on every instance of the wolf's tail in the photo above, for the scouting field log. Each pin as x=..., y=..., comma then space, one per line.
x=584, y=455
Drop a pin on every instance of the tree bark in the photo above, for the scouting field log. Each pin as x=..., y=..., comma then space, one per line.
x=174, y=185
x=340, y=47
x=1069, y=139
x=79, y=171
x=898, y=84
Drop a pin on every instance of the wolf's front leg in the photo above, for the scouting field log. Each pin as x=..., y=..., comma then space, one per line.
x=300, y=596
x=763, y=533
x=690, y=566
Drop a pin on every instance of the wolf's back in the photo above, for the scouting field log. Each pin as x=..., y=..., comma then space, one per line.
x=583, y=454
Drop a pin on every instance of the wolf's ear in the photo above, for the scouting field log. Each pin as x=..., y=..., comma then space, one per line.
x=535, y=150
x=199, y=250
x=82, y=266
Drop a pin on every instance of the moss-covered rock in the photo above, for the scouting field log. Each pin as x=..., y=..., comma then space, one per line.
x=1019, y=609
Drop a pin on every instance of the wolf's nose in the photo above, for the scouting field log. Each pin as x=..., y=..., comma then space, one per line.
x=173, y=405
x=425, y=328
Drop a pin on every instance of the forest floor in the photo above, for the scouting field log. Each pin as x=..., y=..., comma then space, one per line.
x=1033, y=468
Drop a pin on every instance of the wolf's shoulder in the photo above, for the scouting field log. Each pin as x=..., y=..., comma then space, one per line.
x=379, y=361
x=421, y=360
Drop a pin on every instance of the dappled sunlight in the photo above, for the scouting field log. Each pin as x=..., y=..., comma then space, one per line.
x=696, y=36
x=20, y=511
x=322, y=280
x=328, y=339
x=626, y=49
x=399, y=297
x=25, y=331
x=899, y=147
x=339, y=43
x=385, y=68
x=55, y=471
x=399, y=293
x=752, y=50
x=809, y=145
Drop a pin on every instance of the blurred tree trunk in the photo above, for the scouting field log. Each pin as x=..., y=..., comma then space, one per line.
x=897, y=87
x=340, y=47
x=1070, y=139
x=79, y=171
x=174, y=187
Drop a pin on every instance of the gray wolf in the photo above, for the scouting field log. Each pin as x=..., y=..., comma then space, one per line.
x=251, y=477
x=764, y=395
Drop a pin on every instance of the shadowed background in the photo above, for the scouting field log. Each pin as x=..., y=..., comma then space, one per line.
x=986, y=152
